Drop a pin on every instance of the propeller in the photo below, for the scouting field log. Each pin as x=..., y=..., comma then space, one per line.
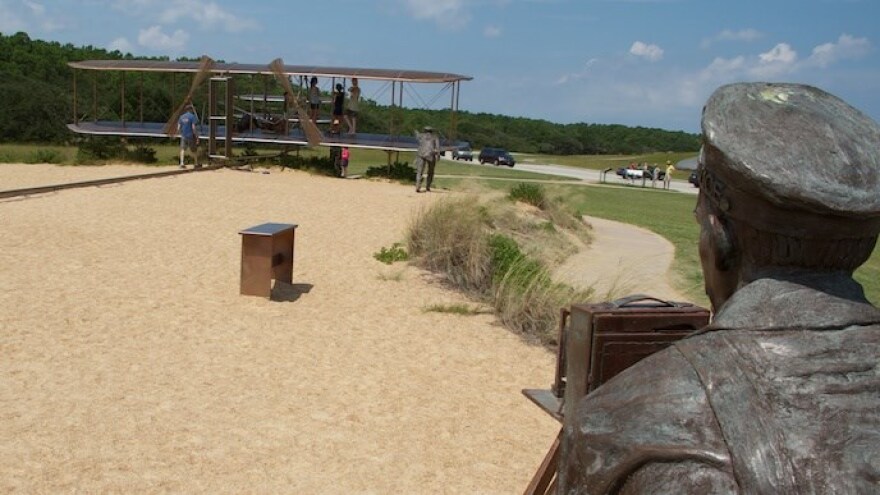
x=205, y=66
x=313, y=134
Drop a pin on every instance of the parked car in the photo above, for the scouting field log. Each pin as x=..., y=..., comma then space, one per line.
x=505, y=158
x=489, y=155
x=694, y=179
x=636, y=173
x=496, y=156
x=464, y=153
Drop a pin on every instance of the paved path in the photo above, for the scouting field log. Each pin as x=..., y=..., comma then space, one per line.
x=621, y=260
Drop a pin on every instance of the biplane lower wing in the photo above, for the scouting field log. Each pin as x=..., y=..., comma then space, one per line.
x=259, y=136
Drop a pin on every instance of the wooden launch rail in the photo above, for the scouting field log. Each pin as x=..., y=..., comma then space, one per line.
x=12, y=193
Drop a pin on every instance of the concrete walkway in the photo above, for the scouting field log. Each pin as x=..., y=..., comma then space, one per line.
x=621, y=260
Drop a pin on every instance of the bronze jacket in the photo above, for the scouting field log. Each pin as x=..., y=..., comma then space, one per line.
x=780, y=394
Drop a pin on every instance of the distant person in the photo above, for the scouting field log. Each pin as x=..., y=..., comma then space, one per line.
x=667, y=179
x=354, y=101
x=286, y=111
x=344, y=163
x=314, y=99
x=187, y=127
x=338, y=103
x=429, y=149
x=655, y=171
x=631, y=172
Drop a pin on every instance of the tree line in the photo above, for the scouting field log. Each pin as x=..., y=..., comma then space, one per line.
x=37, y=103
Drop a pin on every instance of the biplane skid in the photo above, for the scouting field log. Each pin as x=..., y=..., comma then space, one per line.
x=293, y=137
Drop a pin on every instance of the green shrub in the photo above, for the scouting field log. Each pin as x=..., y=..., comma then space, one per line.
x=314, y=164
x=389, y=255
x=505, y=253
x=249, y=149
x=398, y=171
x=44, y=156
x=94, y=149
x=91, y=149
x=141, y=153
x=530, y=193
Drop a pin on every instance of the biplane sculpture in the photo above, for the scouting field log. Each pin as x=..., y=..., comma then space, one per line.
x=231, y=118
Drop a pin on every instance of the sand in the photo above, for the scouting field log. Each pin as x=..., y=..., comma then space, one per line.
x=130, y=363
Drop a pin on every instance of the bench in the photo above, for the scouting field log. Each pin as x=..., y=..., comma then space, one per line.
x=266, y=254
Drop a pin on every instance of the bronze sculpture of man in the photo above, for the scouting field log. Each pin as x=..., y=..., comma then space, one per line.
x=781, y=392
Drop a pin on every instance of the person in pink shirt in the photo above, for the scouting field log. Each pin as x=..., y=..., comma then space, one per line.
x=344, y=161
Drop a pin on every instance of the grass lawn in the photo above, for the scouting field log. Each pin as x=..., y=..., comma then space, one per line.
x=35, y=153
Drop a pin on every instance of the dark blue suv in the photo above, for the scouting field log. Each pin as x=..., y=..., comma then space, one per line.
x=496, y=156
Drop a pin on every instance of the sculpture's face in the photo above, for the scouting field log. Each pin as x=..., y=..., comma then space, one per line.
x=719, y=275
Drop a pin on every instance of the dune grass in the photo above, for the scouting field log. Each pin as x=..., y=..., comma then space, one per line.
x=670, y=215
x=483, y=247
x=457, y=309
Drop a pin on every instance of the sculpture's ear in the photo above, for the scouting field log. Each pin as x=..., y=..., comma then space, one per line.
x=723, y=247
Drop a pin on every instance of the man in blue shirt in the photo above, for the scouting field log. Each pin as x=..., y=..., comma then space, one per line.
x=187, y=126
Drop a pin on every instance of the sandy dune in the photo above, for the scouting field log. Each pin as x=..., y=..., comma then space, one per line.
x=131, y=364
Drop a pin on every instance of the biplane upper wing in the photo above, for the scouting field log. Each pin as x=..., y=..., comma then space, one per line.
x=413, y=76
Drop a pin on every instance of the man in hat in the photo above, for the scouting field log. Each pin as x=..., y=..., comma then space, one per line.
x=429, y=150
x=781, y=392
x=187, y=126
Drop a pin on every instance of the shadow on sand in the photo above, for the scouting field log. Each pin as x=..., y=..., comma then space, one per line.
x=284, y=292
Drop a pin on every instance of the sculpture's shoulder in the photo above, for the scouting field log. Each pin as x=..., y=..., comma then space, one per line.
x=648, y=428
x=798, y=407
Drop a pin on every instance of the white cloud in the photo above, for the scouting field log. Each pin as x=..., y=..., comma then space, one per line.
x=35, y=8
x=584, y=72
x=745, y=35
x=450, y=13
x=492, y=31
x=780, y=60
x=208, y=15
x=121, y=44
x=847, y=47
x=155, y=39
x=781, y=53
x=650, y=52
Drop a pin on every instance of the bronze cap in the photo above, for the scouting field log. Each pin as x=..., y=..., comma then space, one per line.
x=776, y=153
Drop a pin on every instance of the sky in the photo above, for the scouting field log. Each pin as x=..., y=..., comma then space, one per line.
x=650, y=63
